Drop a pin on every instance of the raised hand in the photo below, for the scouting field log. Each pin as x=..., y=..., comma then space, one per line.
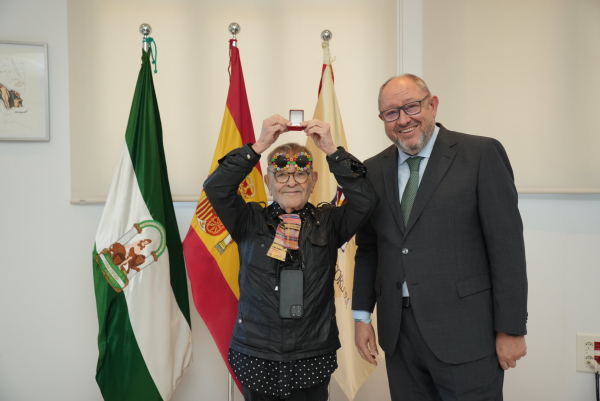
x=272, y=127
x=320, y=133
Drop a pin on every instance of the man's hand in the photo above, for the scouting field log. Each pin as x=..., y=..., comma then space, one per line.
x=510, y=349
x=320, y=133
x=364, y=338
x=272, y=127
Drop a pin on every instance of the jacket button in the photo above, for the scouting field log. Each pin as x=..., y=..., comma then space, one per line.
x=405, y=251
x=399, y=285
x=240, y=321
x=248, y=156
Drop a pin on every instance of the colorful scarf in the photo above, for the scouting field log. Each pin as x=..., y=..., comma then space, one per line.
x=286, y=236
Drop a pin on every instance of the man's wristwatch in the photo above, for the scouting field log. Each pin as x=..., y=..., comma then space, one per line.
x=363, y=320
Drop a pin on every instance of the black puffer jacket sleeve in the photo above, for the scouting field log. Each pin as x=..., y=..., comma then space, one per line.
x=222, y=185
x=361, y=199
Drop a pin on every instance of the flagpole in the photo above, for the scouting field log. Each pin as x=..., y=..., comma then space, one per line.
x=234, y=28
x=146, y=29
x=326, y=35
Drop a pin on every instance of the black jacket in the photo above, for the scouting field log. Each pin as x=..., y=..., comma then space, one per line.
x=259, y=330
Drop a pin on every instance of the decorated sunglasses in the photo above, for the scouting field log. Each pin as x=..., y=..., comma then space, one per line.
x=300, y=161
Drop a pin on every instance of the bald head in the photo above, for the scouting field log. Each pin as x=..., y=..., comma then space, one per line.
x=410, y=77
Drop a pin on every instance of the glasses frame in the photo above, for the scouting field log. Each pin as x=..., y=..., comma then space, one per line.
x=289, y=175
x=401, y=109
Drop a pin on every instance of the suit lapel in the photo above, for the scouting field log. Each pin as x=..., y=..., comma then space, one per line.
x=390, y=180
x=441, y=158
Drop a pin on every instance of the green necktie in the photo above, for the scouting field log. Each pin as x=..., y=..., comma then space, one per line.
x=410, y=191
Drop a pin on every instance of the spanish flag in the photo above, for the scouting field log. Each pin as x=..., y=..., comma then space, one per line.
x=211, y=255
x=353, y=371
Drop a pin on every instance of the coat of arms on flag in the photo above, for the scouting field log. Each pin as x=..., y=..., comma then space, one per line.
x=135, y=250
x=209, y=222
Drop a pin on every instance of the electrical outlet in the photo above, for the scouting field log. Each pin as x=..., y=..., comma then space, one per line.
x=587, y=349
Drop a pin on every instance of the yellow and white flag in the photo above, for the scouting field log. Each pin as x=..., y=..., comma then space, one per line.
x=353, y=371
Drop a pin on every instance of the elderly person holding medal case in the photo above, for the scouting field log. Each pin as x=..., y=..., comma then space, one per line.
x=285, y=338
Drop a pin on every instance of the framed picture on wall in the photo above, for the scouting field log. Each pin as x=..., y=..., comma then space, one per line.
x=24, y=91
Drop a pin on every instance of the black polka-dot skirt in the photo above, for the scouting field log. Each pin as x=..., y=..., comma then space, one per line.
x=280, y=378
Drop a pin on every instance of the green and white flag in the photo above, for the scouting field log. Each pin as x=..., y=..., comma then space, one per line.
x=145, y=337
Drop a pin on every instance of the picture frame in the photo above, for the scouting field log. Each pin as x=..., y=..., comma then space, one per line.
x=24, y=105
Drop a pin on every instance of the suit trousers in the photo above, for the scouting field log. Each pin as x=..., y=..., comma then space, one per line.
x=416, y=374
x=319, y=392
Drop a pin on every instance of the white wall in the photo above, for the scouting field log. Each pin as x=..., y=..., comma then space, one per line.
x=281, y=55
x=48, y=323
x=525, y=73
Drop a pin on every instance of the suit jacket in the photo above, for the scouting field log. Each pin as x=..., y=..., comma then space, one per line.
x=462, y=251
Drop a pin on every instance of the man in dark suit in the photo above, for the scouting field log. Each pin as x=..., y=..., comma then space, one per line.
x=442, y=256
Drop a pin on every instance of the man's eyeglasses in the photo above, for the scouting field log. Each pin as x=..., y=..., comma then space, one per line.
x=282, y=177
x=410, y=109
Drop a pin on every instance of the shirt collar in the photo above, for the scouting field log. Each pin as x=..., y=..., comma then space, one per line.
x=275, y=210
x=425, y=152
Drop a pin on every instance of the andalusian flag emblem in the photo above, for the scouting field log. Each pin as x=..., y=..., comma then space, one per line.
x=211, y=255
x=144, y=338
x=126, y=257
